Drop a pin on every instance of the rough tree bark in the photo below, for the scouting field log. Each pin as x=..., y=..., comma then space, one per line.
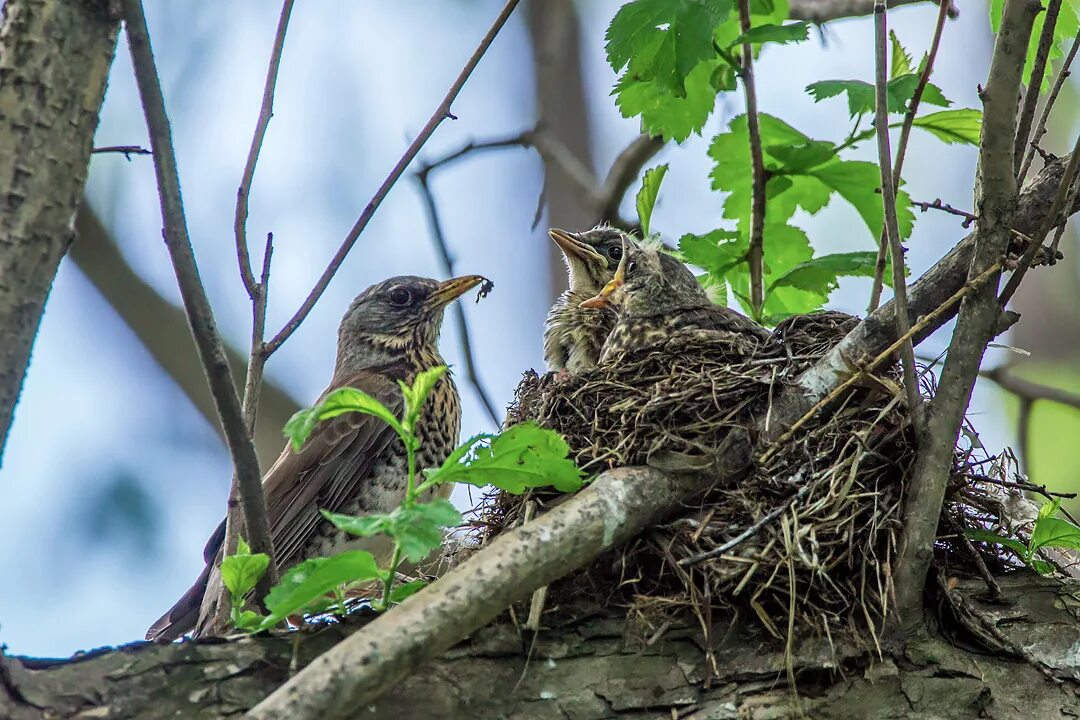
x=54, y=64
x=590, y=666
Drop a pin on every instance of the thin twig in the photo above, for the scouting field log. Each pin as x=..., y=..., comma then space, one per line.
x=946, y=207
x=901, y=148
x=442, y=112
x=1031, y=98
x=888, y=198
x=126, y=150
x=266, y=111
x=199, y=312
x=439, y=238
x=756, y=257
x=1040, y=127
x=748, y=532
x=1057, y=214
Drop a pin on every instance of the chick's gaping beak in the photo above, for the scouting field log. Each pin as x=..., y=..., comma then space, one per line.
x=603, y=298
x=450, y=290
x=573, y=248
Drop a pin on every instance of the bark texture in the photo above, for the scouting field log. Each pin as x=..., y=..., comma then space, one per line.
x=54, y=64
x=593, y=666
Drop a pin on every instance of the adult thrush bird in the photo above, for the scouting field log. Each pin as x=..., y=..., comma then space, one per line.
x=573, y=336
x=663, y=307
x=354, y=463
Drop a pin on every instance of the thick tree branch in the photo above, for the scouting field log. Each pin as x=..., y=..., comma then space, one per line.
x=163, y=330
x=200, y=315
x=821, y=11
x=996, y=199
x=54, y=63
x=891, y=229
x=442, y=112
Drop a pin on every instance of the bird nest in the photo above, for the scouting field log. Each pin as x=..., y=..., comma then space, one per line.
x=807, y=537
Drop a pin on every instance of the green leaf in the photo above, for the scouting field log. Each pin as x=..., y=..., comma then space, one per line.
x=360, y=525
x=339, y=402
x=664, y=40
x=1054, y=532
x=902, y=89
x=860, y=95
x=646, y=197
x=980, y=535
x=858, y=182
x=310, y=580
x=774, y=33
x=247, y=620
x=670, y=116
x=401, y=591
x=820, y=274
x=415, y=396
x=418, y=528
x=716, y=252
x=524, y=456
x=953, y=126
x=242, y=571
x=901, y=61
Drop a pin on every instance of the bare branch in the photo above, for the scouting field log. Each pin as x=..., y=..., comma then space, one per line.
x=756, y=256
x=936, y=204
x=622, y=174
x=891, y=228
x=1030, y=390
x=439, y=239
x=199, y=313
x=1031, y=98
x=996, y=199
x=1040, y=127
x=266, y=111
x=126, y=150
x=821, y=11
x=901, y=148
x=442, y=112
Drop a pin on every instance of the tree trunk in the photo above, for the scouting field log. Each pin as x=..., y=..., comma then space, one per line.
x=596, y=666
x=54, y=63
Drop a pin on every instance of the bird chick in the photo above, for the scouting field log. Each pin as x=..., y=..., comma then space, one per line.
x=661, y=305
x=573, y=336
x=354, y=463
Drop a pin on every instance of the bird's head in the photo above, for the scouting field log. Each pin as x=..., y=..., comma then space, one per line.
x=649, y=281
x=591, y=256
x=396, y=315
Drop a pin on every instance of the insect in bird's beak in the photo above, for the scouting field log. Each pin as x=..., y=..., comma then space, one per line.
x=602, y=298
x=450, y=290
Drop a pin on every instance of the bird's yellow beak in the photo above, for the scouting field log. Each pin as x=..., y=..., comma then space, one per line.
x=450, y=290
x=604, y=296
x=573, y=248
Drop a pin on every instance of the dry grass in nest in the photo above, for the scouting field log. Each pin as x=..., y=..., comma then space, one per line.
x=807, y=539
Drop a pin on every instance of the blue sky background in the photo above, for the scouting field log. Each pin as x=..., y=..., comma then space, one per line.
x=112, y=481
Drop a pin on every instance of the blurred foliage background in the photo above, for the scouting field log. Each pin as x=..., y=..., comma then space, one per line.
x=114, y=477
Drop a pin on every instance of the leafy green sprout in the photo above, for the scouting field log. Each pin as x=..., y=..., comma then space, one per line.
x=522, y=457
x=1048, y=532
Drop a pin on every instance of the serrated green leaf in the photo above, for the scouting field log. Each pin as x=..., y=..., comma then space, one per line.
x=902, y=89
x=401, y=591
x=309, y=581
x=523, y=456
x=417, y=394
x=716, y=252
x=418, y=528
x=774, y=33
x=1054, y=532
x=821, y=274
x=339, y=402
x=1049, y=508
x=980, y=535
x=360, y=525
x=241, y=572
x=248, y=620
x=861, y=96
x=665, y=114
x=646, y=197
x=858, y=182
x=953, y=126
x=901, y=60
x=662, y=41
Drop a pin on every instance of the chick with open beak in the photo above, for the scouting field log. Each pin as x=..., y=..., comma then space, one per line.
x=661, y=305
x=574, y=335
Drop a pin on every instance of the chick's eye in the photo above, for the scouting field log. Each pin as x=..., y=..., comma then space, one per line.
x=614, y=252
x=400, y=296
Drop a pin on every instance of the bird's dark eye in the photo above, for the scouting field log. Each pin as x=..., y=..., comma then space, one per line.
x=615, y=252
x=400, y=297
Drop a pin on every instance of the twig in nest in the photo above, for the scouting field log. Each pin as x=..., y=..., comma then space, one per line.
x=748, y=532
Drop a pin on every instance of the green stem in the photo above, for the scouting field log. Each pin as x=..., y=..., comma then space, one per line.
x=410, y=496
x=388, y=582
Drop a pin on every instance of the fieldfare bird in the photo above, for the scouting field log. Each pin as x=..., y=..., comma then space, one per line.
x=354, y=463
x=574, y=335
x=661, y=305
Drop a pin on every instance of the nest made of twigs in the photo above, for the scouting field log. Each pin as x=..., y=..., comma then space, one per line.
x=807, y=538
